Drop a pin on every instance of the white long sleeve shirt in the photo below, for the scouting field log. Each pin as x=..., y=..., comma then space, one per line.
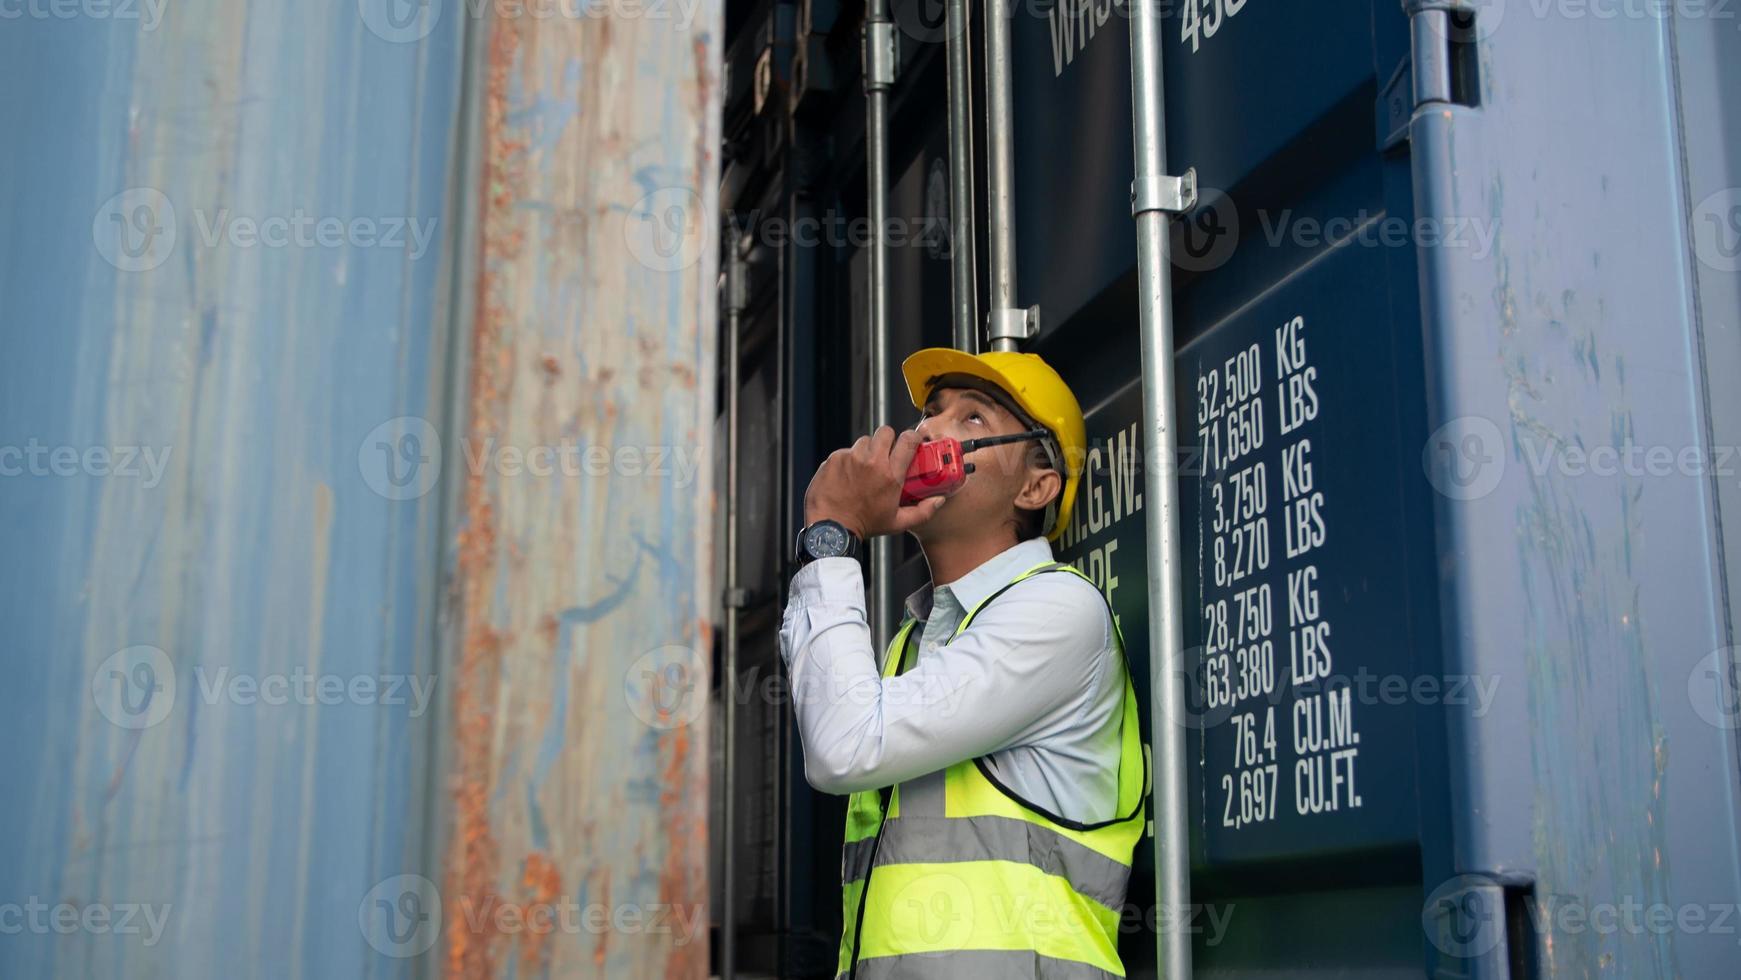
x=1035, y=683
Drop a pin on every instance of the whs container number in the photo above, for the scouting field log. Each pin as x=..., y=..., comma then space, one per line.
x=1200, y=19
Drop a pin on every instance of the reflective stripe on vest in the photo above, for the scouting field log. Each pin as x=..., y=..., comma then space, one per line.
x=967, y=880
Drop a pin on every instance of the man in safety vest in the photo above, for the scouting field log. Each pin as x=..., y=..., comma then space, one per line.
x=993, y=754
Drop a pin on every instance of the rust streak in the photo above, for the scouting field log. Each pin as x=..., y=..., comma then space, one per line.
x=472, y=853
x=543, y=884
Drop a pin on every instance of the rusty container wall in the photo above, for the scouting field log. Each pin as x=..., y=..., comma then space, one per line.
x=317, y=664
x=222, y=271
x=582, y=637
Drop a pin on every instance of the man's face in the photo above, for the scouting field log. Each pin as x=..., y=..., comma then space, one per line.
x=1003, y=477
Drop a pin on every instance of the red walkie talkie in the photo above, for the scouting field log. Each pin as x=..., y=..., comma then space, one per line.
x=940, y=466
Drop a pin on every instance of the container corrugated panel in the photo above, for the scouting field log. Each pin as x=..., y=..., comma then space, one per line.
x=225, y=226
x=1412, y=302
x=583, y=646
x=1582, y=429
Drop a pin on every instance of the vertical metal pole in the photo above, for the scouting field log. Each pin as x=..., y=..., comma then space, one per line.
x=736, y=298
x=963, y=263
x=1007, y=323
x=879, y=77
x=1150, y=205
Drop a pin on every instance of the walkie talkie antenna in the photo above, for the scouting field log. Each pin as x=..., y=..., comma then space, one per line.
x=971, y=444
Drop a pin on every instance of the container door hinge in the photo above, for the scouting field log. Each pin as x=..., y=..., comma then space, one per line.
x=1013, y=324
x=1174, y=195
x=1444, y=58
x=882, y=55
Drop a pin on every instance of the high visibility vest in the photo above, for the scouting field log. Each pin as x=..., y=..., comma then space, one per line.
x=952, y=875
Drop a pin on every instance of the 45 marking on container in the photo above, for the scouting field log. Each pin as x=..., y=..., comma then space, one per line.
x=1200, y=19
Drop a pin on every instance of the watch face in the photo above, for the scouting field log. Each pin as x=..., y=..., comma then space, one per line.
x=826, y=540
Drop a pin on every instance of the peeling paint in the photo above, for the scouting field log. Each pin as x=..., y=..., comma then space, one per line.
x=566, y=585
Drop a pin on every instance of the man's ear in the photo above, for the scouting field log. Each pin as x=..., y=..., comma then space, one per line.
x=1042, y=488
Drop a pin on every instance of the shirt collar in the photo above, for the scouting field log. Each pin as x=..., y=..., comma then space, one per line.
x=992, y=574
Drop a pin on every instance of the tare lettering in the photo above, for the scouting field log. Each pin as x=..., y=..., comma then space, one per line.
x=1201, y=19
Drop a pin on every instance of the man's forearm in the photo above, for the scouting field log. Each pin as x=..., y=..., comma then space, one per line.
x=836, y=686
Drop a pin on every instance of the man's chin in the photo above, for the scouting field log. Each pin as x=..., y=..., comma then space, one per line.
x=939, y=525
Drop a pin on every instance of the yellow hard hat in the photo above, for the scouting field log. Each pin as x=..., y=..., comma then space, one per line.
x=1035, y=388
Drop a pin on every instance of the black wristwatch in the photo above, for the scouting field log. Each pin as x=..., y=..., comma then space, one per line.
x=825, y=539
